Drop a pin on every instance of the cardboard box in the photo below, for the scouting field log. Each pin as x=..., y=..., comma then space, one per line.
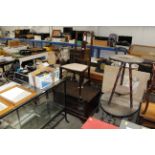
x=43, y=80
x=35, y=77
x=15, y=43
x=103, y=43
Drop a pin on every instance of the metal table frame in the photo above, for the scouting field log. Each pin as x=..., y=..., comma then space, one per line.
x=40, y=93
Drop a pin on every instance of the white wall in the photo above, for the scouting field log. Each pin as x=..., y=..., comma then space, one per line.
x=45, y=29
x=141, y=35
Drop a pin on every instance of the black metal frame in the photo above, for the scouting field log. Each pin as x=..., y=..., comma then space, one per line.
x=33, y=99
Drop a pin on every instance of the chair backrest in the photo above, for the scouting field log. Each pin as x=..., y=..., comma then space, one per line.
x=82, y=54
x=139, y=81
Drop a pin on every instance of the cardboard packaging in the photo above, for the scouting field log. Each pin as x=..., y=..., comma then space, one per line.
x=43, y=77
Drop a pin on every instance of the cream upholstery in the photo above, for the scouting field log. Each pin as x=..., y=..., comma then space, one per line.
x=75, y=67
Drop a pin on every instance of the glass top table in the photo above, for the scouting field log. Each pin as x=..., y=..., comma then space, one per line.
x=41, y=115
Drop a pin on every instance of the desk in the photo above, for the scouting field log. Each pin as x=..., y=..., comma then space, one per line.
x=46, y=116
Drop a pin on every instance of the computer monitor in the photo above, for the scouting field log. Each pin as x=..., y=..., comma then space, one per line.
x=67, y=30
x=73, y=34
x=80, y=35
x=101, y=38
x=124, y=40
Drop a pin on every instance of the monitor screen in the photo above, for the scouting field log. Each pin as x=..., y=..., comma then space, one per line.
x=80, y=35
x=73, y=34
x=124, y=40
x=67, y=29
x=101, y=38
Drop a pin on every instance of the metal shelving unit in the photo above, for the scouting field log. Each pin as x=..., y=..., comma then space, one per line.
x=41, y=43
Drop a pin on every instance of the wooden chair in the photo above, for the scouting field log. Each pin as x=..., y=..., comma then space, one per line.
x=80, y=59
x=150, y=89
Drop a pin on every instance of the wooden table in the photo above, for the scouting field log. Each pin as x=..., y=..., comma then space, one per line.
x=124, y=60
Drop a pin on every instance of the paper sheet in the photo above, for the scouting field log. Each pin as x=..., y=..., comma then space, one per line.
x=8, y=85
x=15, y=94
x=2, y=106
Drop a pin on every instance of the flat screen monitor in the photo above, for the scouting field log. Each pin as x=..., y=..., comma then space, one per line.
x=73, y=34
x=101, y=38
x=80, y=35
x=25, y=31
x=67, y=30
x=124, y=40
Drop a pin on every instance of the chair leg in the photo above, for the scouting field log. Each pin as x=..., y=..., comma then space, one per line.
x=115, y=84
x=122, y=76
x=80, y=84
x=147, y=102
x=74, y=77
x=60, y=73
x=138, y=119
x=130, y=79
x=89, y=80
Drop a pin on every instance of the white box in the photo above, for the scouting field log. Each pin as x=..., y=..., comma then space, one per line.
x=43, y=80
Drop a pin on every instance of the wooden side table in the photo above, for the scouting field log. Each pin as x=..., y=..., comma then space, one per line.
x=124, y=60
